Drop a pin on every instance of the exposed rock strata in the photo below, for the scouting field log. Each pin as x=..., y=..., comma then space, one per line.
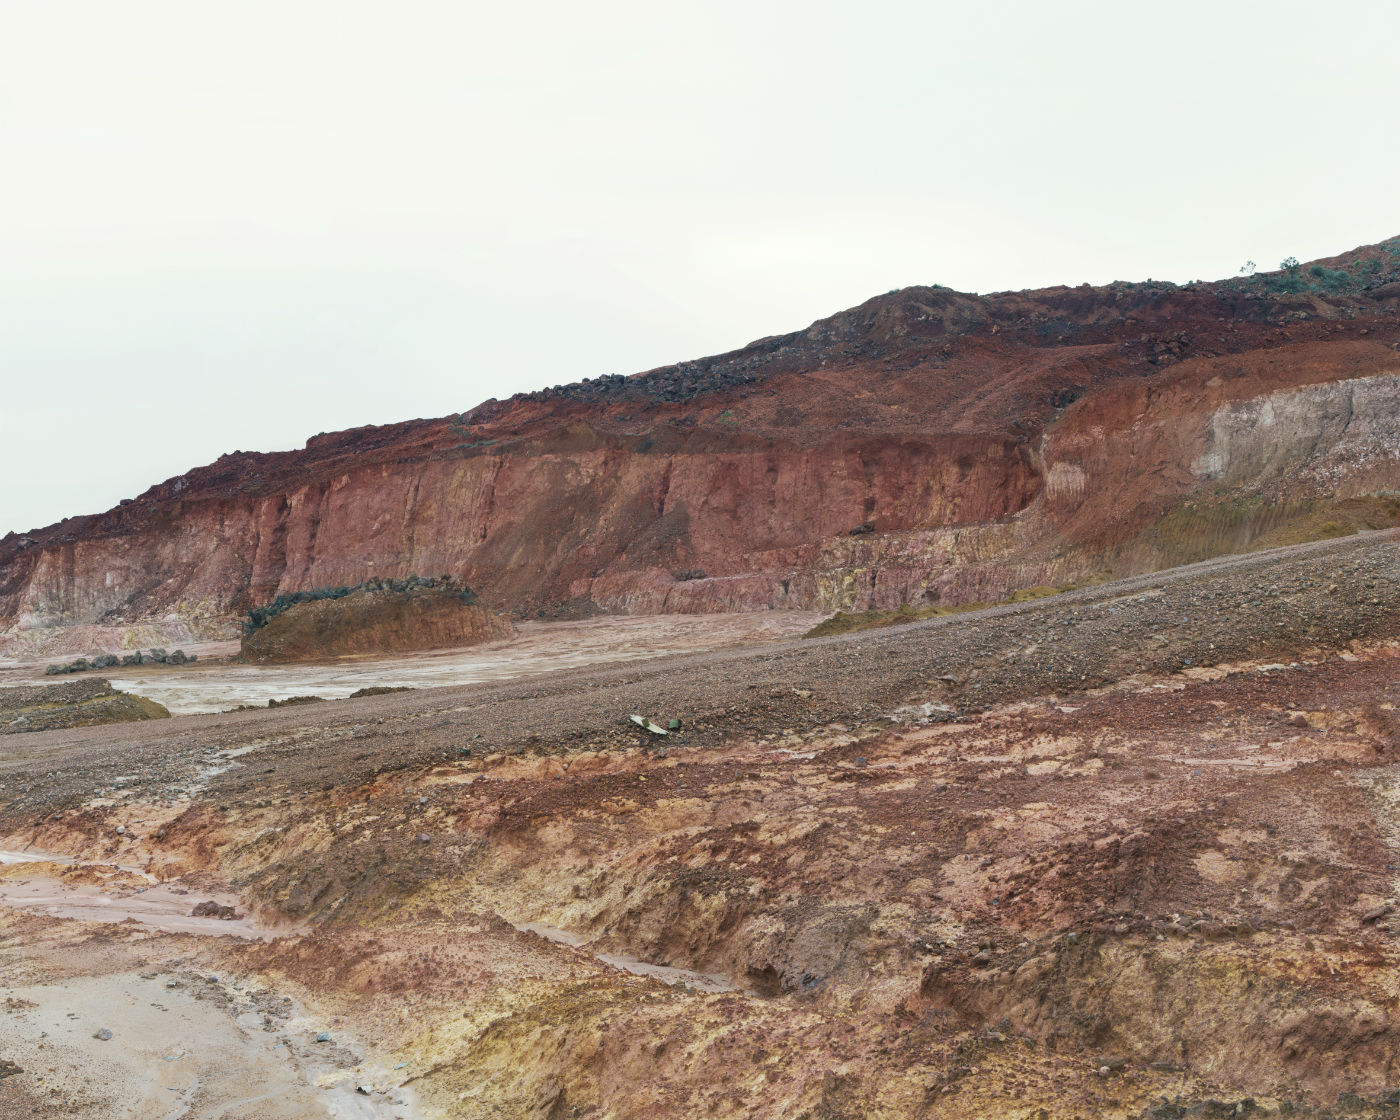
x=991, y=443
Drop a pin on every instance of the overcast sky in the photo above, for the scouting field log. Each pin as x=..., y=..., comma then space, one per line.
x=234, y=226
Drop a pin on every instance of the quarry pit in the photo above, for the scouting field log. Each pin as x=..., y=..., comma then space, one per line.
x=1130, y=851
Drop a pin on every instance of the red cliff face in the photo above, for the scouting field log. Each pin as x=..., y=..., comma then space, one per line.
x=981, y=443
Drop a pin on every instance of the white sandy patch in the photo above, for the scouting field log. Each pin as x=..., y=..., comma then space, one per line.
x=163, y=906
x=539, y=647
x=175, y=1052
x=29, y=857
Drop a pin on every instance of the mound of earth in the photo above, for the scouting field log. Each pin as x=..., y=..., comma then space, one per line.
x=77, y=704
x=373, y=619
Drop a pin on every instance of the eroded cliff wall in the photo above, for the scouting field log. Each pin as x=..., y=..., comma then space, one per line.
x=973, y=444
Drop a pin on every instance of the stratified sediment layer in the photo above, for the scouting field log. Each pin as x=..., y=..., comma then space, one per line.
x=926, y=447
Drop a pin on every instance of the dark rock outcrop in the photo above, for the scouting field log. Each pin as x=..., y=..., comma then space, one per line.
x=373, y=619
x=72, y=704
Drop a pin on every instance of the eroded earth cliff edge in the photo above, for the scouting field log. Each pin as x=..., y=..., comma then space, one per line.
x=928, y=446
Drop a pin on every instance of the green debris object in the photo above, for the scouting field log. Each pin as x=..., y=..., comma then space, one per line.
x=674, y=725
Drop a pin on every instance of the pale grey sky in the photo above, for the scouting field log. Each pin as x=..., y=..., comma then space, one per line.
x=234, y=226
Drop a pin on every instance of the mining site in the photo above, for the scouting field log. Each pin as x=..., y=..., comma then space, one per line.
x=967, y=707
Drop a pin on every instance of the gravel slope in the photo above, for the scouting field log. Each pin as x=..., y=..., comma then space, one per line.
x=1321, y=595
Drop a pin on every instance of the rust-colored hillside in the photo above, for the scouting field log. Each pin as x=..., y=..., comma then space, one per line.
x=928, y=446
